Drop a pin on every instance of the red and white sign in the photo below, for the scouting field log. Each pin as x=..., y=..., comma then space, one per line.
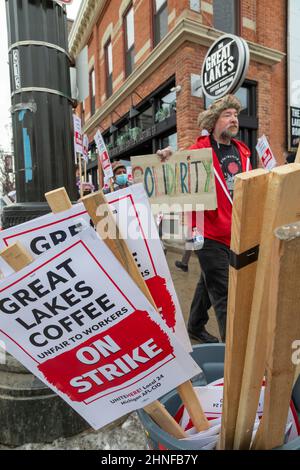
x=134, y=217
x=85, y=147
x=77, y=134
x=67, y=2
x=41, y=234
x=265, y=153
x=78, y=322
x=104, y=159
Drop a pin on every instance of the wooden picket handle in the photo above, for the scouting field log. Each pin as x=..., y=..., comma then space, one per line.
x=119, y=248
x=16, y=256
x=297, y=159
x=281, y=207
x=283, y=330
x=249, y=197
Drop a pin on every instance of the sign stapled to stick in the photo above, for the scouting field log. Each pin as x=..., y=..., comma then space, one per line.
x=83, y=327
x=136, y=223
x=186, y=179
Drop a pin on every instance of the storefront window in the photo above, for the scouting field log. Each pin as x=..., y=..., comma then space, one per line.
x=170, y=140
x=145, y=119
x=165, y=106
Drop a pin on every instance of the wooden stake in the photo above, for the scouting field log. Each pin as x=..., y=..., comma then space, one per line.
x=282, y=206
x=163, y=418
x=80, y=175
x=112, y=237
x=16, y=256
x=156, y=410
x=297, y=159
x=248, y=206
x=58, y=200
x=283, y=330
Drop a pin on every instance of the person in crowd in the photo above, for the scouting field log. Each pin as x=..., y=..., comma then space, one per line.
x=230, y=157
x=120, y=178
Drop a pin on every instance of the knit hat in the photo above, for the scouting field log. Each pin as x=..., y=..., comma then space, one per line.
x=117, y=165
x=207, y=119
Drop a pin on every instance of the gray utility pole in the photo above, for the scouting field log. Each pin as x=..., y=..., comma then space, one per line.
x=43, y=149
x=41, y=105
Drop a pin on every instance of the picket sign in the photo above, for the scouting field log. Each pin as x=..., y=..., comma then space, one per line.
x=247, y=214
x=156, y=410
x=119, y=247
x=282, y=206
x=283, y=329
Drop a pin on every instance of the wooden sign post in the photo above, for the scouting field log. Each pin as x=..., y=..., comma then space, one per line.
x=282, y=206
x=297, y=159
x=248, y=207
x=16, y=256
x=283, y=330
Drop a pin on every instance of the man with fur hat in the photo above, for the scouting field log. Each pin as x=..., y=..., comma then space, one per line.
x=230, y=157
x=120, y=178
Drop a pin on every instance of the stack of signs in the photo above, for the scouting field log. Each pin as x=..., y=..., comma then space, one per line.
x=211, y=397
x=78, y=322
x=265, y=153
x=137, y=226
x=134, y=218
x=77, y=134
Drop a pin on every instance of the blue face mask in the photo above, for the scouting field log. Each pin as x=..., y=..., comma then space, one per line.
x=121, y=179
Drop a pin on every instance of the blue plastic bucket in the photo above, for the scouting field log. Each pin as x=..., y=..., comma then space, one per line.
x=210, y=357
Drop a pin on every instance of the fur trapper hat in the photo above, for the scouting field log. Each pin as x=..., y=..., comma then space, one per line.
x=208, y=118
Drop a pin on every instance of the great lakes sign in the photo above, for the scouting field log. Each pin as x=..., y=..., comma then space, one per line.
x=225, y=66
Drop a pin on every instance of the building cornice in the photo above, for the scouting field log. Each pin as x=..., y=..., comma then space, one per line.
x=87, y=16
x=186, y=30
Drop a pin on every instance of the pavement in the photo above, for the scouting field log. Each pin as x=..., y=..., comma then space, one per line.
x=128, y=433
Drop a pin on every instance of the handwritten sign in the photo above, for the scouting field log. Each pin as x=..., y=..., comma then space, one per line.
x=186, y=179
x=78, y=322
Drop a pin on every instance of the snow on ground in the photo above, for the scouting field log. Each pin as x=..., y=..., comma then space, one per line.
x=127, y=436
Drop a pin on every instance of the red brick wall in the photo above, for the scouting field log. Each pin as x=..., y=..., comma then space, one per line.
x=269, y=20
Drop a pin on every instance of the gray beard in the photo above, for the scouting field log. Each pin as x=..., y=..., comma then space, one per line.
x=228, y=134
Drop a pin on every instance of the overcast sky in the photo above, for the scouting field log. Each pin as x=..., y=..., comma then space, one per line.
x=5, y=102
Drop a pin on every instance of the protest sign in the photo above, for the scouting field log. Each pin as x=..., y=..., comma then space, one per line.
x=103, y=155
x=85, y=147
x=77, y=134
x=187, y=178
x=265, y=153
x=42, y=233
x=133, y=214
x=77, y=321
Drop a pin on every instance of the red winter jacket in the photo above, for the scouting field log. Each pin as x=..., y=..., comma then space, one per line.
x=217, y=223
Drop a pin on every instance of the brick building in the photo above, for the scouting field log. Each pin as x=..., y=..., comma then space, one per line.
x=145, y=59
